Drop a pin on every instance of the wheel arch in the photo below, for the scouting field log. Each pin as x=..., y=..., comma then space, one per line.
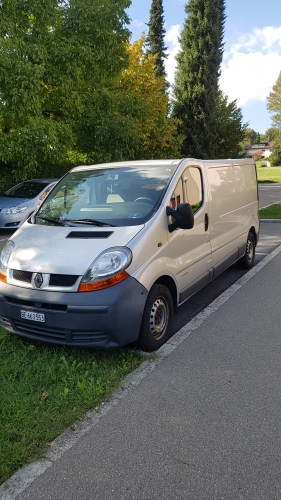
x=171, y=285
x=253, y=230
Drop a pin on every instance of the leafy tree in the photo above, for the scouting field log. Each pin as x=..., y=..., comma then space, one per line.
x=275, y=157
x=271, y=133
x=157, y=131
x=257, y=155
x=55, y=56
x=229, y=128
x=156, y=35
x=196, y=89
x=128, y=120
x=274, y=103
x=250, y=136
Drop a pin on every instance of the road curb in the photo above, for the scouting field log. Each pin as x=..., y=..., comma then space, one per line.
x=270, y=220
x=27, y=475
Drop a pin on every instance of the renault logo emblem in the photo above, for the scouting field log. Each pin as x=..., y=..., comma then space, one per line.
x=38, y=280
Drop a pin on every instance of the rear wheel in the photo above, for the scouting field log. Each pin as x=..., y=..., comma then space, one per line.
x=247, y=261
x=157, y=319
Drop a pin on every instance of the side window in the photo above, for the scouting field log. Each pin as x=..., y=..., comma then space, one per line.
x=177, y=196
x=193, y=188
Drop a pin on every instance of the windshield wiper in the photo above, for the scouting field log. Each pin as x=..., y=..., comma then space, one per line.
x=93, y=222
x=57, y=222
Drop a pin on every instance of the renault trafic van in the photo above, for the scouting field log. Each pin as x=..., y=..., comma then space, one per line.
x=115, y=248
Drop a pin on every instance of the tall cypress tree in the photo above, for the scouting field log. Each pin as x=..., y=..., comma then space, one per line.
x=196, y=89
x=156, y=35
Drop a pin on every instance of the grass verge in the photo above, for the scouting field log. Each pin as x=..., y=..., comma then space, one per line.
x=272, y=212
x=269, y=174
x=44, y=389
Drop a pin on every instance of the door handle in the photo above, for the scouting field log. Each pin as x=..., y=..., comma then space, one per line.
x=206, y=222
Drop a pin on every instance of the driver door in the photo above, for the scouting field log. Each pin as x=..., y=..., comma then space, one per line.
x=190, y=249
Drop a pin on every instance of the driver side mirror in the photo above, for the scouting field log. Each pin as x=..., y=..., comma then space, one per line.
x=183, y=215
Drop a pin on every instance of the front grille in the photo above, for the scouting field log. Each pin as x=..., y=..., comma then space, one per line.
x=24, y=276
x=62, y=279
x=55, y=279
x=47, y=333
x=43, y=332
x=88, y=337
x=5, y=323
x=37, y=305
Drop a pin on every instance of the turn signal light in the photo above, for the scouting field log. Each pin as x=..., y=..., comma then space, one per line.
x=100, y=285
x=3, y=278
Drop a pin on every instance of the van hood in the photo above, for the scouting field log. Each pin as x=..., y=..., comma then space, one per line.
x=64, y=250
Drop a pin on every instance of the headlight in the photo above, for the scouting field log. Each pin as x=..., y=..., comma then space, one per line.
x=16, y=210
x=107, y=269
x=4, y=259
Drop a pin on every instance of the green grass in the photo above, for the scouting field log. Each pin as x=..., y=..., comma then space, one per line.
x=44, y=389
x=272, y=212
x=269, y=174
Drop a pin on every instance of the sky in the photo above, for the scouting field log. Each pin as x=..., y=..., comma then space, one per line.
x=252, y=50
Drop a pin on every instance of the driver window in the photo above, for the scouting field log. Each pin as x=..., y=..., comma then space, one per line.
x=193, y=188
x=177, y=196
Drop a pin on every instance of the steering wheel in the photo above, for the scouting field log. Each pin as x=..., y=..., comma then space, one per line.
x=144, y=198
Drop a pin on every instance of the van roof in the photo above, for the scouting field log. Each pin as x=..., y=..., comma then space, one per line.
x=138, y=163
x=155, y=163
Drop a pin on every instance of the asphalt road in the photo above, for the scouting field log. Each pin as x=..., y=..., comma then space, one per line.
x=269, y=194
x=270, y=238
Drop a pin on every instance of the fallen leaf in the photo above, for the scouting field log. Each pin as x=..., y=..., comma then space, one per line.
x=44, y=396
x=80, y=418
x=48, y=444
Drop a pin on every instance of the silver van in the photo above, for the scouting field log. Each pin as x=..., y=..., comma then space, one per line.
x=115, y=248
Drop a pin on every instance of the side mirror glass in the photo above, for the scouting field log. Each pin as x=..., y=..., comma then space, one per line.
x=183, y=215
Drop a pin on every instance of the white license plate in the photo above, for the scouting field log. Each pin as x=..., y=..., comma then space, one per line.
x=33, y=316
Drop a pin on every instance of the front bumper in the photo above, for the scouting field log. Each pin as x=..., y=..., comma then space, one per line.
x=103, y=319
x=11, y=221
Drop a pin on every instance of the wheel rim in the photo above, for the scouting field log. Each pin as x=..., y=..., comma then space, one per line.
x=250, y=250
x=158, y=318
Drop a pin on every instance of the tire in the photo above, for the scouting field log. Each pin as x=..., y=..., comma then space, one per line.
x=157, y=319
x=247, y=261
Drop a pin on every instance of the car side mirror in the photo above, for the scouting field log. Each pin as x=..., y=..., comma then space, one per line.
x=183, y=215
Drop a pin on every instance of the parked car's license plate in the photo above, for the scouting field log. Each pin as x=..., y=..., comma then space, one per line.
x=33, y=316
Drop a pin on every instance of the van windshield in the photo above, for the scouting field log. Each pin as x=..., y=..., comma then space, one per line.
x=117, y=196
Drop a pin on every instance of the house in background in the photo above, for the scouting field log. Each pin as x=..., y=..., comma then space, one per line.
x=261, y=150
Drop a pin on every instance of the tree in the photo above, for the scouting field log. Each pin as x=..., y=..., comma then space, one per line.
x=196, y=89
x=55, y=56
x=156, y=35
x=274, y=103
x=128, y=120
x=251, y=136
x=157, y=131
x=230, y=129
x=275, y=157
x=271, y=134
x=257, y=155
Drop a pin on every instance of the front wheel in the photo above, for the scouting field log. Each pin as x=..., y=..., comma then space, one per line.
x=247, y=261
x=157, y=319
